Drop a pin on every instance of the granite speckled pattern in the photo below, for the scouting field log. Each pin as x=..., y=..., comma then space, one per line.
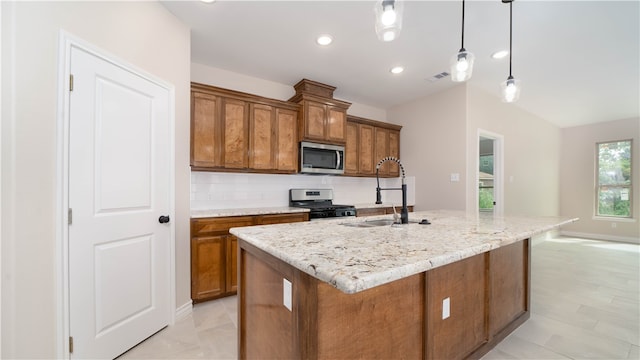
x=354, y=259
x=204, y=213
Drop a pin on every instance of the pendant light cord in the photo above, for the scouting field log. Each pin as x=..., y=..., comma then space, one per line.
x=462, y=46
x=510, y=35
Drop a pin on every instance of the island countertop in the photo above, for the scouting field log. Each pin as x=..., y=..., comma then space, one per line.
x=354, y=259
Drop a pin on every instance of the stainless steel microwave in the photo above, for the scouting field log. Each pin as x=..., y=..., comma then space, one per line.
x=321, y=158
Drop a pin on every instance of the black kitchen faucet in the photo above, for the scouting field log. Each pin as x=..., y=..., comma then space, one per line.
x=404, y=214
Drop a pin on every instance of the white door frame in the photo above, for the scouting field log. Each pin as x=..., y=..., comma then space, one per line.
x=498, y=170
x=66, y=42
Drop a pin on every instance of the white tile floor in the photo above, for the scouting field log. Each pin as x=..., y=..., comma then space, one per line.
x=585, y=305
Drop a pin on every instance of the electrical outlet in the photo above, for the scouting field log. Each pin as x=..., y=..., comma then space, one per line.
x=614, y=225
x=286, y=294
x=455, y=177
x=446, y=308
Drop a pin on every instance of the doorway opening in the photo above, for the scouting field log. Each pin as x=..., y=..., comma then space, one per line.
x=490, y=173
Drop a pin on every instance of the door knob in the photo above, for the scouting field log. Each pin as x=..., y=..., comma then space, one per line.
x=163, y=219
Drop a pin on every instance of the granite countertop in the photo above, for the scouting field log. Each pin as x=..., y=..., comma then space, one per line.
x=204, y=213
x=354, y=259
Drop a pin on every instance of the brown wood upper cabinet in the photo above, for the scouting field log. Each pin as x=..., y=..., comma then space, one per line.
x=321, y=117
x=234, y=131
x=368, y=141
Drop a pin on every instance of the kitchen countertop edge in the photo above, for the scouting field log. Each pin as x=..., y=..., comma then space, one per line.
x=206, y=213
x=361, y=270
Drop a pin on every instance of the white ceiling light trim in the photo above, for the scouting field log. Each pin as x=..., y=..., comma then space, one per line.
x=396, y=70
x=500, y=54
x=324, y=40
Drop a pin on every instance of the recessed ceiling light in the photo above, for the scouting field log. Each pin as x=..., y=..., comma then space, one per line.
x=208, y=1
x=324, y=40
x=396, y=69
x=500, y=54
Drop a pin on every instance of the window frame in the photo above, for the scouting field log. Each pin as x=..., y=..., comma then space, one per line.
x=598, y=187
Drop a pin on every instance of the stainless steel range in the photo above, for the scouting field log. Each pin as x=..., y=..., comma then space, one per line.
x=320, y=203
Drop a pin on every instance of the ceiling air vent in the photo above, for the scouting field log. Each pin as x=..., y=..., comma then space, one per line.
x=439, y=76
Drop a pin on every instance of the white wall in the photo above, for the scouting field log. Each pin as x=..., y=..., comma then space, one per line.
x=216, y=190
x=433, y=146
x=577, y=197
x=240, y=82
x=531, y=154
x=144, y=34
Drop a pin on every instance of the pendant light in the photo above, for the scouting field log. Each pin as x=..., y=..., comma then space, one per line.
x=462, y=62
x=510, y=88
x=388, y=19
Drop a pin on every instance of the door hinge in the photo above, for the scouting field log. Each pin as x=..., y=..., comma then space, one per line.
x=71, y=82
x=70, y=344
x=70, y=216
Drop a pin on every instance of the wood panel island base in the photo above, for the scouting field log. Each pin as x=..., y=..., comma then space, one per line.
x=460, y=306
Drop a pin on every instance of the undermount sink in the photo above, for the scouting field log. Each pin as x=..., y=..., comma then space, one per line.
x=370, y=223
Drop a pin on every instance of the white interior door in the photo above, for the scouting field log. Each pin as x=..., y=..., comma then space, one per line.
x=119, y=176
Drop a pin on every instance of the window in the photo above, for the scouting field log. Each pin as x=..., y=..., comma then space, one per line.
x=613, y=181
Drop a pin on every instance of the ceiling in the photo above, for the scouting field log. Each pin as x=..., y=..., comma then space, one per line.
x=579, y=61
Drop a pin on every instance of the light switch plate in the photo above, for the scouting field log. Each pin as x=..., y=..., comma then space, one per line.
x=286, y=293
x=446, y=310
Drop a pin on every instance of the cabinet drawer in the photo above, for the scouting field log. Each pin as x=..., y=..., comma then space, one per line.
x=371, y=211
x=282, y=218
x=209, y=226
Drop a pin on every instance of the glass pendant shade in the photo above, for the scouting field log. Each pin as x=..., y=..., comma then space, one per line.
x=461, y=66
x=510, y=90
x=388, y=19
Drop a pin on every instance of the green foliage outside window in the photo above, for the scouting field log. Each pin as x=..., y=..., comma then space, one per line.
x=486, y=198
x=614, y=179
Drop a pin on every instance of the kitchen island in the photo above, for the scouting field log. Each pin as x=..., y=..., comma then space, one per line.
x=336, y=290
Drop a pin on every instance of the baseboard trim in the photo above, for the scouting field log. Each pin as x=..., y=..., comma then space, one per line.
x=184, y=310
x=606, y=237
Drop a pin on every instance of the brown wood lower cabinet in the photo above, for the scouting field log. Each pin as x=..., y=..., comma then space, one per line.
x=380, y=210
x=214, y=252
x=488, y=297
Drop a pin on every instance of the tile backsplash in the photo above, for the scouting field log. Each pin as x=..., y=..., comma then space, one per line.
x=217, y=190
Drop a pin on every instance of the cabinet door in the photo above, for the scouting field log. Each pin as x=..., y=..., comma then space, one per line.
x=351, y=150
x=366, y=164
x=382, y=149
x=282, y=218
x=205, y=130
x=235, y=122
x=286, y=140
x=261, y=137
x=232, y=264
x=463, y=283
x=207, y=267
x=394, y=150
x=336, y=124
x=509, y=275
x=314, y=120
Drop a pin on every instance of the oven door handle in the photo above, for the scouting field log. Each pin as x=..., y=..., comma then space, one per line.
x=338, y=162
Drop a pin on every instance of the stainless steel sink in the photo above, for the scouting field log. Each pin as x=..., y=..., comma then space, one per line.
x=370, y=223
